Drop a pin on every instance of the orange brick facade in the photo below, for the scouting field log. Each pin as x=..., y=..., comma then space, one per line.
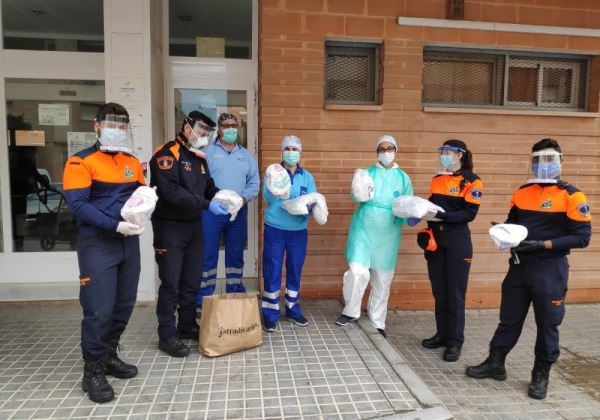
x=291, y=79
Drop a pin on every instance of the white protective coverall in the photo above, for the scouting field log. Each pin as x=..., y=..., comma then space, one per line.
x=373, y=242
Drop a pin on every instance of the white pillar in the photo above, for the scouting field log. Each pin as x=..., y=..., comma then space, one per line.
x=133, y=67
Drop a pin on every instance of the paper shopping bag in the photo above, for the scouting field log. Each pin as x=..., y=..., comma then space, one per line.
x=229, y=323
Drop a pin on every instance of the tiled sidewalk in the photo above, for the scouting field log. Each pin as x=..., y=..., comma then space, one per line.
x=574, y=381
x=322, y=371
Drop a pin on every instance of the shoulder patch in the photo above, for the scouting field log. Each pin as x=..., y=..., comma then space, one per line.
x=165, y=162
x=584, y=209
x=476, y=194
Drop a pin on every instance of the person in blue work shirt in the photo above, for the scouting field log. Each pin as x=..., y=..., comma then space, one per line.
x=285, y=235
x=185, y=189
x=97, y=182
x=233, y=168
x=558, y=219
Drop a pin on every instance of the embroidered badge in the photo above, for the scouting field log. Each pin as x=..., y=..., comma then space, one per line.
x=547, y=204
x=165, y=162
x=128, y=172
x=476, y=194
x=187, y=166
x=454, y=190
x=584, y=209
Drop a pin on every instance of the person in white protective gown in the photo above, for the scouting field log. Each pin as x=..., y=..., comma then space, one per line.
x=374, y=239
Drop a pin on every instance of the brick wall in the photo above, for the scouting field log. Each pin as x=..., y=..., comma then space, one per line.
x=291, y=59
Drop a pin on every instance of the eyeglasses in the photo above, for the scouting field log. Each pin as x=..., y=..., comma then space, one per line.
x=386, y=149
x=226, y=126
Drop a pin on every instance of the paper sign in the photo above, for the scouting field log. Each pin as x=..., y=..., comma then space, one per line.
x=79, y=140
x=30, y=138
x=210, y=47
x=126, y=90
x=53, y=114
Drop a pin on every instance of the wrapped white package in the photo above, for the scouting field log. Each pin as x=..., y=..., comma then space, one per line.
x=320, y=211
x=413, y=206
x=300, y=206
x=232, y=200
x=139, y=207
x=363, y=187
x=278, y=181
x=507, y=235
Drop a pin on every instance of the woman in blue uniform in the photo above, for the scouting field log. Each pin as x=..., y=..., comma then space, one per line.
x=458, y=191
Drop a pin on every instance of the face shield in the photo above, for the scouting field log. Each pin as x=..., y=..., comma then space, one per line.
x=200, y=135
x=115, y=134
x=449, y=159
x=545, y=166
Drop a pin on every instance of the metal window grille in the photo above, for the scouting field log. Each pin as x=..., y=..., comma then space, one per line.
x=464, y=78
x=351, y=73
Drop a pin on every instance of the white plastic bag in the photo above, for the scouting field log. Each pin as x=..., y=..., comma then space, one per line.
x=363, y=187
x=278, y=181
x=139, y=207
x=300, y=206
x=320, y=211
x=412, y=206
x=507, y=235
x=232, y=200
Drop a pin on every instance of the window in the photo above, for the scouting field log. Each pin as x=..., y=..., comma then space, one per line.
x=351, y=73
x=67, y=25
x=504, y=79
x=47, y=121
x=210, y=28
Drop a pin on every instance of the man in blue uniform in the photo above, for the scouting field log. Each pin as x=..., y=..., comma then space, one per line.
x=97, y=183
x=557, y=216
x=185, y=189
x=233, y=168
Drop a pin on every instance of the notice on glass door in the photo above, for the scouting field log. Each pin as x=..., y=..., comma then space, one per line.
x=79, y=140
x=53, y=114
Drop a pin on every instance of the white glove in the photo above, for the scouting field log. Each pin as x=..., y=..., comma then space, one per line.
x=129, y=229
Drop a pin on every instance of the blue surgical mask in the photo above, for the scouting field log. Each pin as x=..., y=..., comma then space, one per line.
x=291, y=157
x=446, y=161
x=230, y=135
x=548, y=170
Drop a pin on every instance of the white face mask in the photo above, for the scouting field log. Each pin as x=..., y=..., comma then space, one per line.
x=386, y=158
x=113, y=140
x=198, y=142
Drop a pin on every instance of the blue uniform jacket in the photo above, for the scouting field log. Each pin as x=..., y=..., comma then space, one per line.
x=235, y=171
x=302, y=183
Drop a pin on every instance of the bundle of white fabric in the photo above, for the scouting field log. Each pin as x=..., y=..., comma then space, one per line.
x=507, y=235
x=278, y=181
x=139, y=207
x=363, y=187
x=232, y=200
x=412, y=206
x=303, y=204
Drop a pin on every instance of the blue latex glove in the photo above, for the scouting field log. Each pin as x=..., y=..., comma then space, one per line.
x=217, y=208
x=412, y=221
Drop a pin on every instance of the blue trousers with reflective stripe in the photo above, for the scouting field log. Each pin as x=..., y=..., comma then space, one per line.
x=109, y=268
x=236, y=234
x=277, y=244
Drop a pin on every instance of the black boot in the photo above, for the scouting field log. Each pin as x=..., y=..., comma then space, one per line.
x=540, y=376
x=191, y=332
x=434, y=342
x=116, y=367
x=492, y=367
x=95, y=383
x=174, y=347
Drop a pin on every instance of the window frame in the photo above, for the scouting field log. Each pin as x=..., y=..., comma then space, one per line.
x=579, y=64
x=369, y=49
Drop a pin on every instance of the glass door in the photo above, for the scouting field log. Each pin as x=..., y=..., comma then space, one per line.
x=214, y=102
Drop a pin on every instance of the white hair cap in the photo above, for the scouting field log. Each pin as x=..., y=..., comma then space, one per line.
x=388, y=138
x=291, y=141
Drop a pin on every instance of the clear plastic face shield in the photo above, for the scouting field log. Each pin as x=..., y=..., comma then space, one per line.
x=545, y=166
x=114, y=133
x=449, y=159
x=199, y=136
